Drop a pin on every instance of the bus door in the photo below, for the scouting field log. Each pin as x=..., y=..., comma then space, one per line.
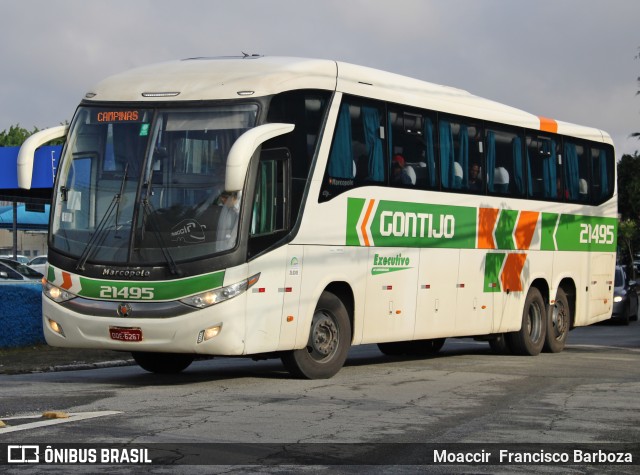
x=277, y=291
x=437, y=293
x=390, y=305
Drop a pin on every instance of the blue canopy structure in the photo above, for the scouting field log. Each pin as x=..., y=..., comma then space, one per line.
x=44, y=170
x=27, y=220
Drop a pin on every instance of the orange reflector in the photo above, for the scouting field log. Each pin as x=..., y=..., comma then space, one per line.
x=484, y=307
x=290, y=318
x=398, y=312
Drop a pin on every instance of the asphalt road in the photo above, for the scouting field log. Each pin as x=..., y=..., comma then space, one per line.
x=588, y=394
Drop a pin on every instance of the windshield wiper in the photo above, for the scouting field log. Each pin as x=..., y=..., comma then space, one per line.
x=149, y=213
x=100, y=234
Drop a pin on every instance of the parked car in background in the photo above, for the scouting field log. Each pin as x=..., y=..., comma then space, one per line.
x=625, y=297
x=20, y=258
x=39, y=264
x=13, y=271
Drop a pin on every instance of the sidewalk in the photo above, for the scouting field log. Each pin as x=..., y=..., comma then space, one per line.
x=43, y=358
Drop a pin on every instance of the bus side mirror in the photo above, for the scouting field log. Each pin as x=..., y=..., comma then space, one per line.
x=28, y=150
x=243, y=149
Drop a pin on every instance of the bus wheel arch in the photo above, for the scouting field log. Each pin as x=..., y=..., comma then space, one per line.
x=561, y=315
x=330, y=337
x=530, y=339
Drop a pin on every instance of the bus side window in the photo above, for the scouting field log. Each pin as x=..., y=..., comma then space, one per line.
x=269, y=213
x=412, y=145
x=576, y=172
x=306, y=109
x=505, y=168
x=357, y=155
x=462, y=165
x=543, y=177
x=602, y=174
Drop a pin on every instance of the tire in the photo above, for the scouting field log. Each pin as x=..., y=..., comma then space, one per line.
x=425, y=347
x=626, y=317
x=162, y=363
x=412, y=348
x=499, y=345
x=558, y=324
x=328, y=344
x=396, y=348
x=529, y=340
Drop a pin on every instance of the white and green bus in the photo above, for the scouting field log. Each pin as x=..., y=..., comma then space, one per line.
x=292, y=208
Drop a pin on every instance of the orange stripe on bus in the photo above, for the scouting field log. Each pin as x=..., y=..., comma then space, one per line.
x=363, y=227
x=511, y=272
x=66, y=281
x=487, y=222
x=548, y=125
x=525, y=229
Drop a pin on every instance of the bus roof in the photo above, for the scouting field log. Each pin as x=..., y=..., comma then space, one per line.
x=197, y=79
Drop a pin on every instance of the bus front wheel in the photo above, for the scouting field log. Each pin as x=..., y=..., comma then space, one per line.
x=328, y=344
x=531, y=336
x=162, y=363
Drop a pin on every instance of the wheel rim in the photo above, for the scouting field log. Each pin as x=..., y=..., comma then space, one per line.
x=324, y=336
x=559, y=320
x=534, y=322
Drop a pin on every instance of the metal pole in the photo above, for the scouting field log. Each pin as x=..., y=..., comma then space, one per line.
x=15, y=230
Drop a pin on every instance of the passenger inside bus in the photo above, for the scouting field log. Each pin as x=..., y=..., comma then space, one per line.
x=401, y=173
x=475, y=180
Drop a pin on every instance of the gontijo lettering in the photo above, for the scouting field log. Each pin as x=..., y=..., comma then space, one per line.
x=417, y=225
x=384, y=223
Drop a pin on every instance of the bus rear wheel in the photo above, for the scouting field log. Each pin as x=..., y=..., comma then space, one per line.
x=558, y=324
x=162, y=363
x=531, y=336
x=328, y=344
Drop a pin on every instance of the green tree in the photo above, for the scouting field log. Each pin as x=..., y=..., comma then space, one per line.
x=627, y=234
x=629, y=187
x=15, y=136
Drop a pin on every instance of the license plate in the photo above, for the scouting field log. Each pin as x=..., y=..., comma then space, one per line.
x=125, y=334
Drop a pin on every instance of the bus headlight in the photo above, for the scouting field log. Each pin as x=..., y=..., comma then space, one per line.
x=212, y=297
x=55, y=293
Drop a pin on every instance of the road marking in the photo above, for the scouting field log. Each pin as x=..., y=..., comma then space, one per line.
x=41, y=422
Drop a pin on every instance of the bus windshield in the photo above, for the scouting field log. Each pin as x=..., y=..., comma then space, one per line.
x=145, y=186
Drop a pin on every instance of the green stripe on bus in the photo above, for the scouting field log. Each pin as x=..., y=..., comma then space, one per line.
x=354, y=209
x=547, y=242
x=151, y=291
x=404, y=224
x=492, y=266
x=397, y=223
x=504, y=229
